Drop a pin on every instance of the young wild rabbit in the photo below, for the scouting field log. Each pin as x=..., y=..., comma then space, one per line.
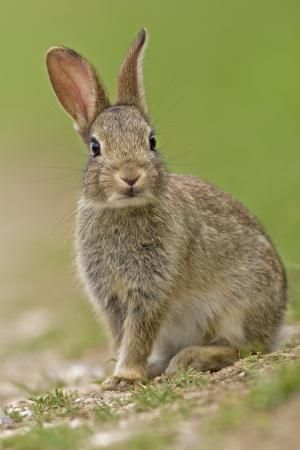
x=182, y=273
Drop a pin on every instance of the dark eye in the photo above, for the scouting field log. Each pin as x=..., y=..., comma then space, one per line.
x=95, y=147
x=152, y=142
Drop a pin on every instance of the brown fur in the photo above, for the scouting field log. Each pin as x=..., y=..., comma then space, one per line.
x=182, y=273
x=130, y=90
x=65, y=67
x=202, y=359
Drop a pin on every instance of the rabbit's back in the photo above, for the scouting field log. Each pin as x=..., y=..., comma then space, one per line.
x=219, y=224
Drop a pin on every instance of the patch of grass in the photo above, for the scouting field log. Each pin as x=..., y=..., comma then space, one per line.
x=104, y=412
x=248, y=363
x=60, y=404
x=249, y=358
x=188, y=378
x=54, y=438
x=56, y=403
x=145, y=441
x=154, y=395
x=268, y=394
x=164, y=391
x=277, y=389
x=15, y=415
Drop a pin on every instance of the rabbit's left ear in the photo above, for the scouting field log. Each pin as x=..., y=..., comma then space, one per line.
x=77, y=86
x=130, y=87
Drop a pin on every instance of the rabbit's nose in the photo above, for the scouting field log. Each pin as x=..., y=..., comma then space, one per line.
x=131, y=181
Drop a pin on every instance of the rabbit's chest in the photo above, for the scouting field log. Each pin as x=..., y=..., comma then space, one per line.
x=113, y=260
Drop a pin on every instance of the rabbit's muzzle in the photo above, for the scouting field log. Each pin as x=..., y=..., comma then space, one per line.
x=130, y=183
x=128, y=188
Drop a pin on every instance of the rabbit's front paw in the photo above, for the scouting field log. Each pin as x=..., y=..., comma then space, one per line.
x=115, y=383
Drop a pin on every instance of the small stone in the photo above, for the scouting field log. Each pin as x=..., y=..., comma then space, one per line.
x=75, y=423
x=89, y=400
x=26, y=413
x=105, y=439
x=6, y=421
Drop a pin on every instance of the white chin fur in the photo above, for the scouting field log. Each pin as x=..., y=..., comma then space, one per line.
x=117, y=201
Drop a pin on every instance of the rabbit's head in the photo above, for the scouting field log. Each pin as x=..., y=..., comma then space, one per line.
x=124, y=167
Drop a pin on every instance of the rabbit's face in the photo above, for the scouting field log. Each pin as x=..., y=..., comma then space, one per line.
x=124, y=168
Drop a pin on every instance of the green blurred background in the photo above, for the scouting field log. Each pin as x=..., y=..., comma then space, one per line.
x=222, y=80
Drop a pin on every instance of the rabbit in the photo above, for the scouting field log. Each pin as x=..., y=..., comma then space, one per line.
x=182, y=274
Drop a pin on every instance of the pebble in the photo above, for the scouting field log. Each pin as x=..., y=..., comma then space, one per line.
x=105, y=439
x=75, y=423
x=26, y=413
x=6, y=421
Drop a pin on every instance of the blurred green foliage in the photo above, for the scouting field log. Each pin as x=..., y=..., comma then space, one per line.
x=222, y=81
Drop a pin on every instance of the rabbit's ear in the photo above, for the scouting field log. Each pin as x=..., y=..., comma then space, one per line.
x=130, y=89
x=77, y=86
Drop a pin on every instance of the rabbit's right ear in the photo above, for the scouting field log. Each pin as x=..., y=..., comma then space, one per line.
x=130, y=87
x=77, y=86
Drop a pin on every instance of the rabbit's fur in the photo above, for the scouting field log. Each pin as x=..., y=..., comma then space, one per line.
x=182, y=273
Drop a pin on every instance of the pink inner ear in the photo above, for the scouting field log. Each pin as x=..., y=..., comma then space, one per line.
x=75, y=75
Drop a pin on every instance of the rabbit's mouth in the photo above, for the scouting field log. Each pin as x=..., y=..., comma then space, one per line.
x=131, y=197
x=132, y=191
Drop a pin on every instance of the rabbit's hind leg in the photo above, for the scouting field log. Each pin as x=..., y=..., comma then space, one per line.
x=203, y=359
x=156, y=367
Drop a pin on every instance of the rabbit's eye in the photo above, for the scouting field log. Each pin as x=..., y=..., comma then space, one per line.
x=95, y=147
x=152, y=143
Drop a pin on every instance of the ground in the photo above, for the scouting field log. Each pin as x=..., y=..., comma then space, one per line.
x=238, y=407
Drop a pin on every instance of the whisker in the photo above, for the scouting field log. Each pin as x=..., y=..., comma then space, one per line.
x=191, y=165
x=75, y=169
x=46, y=180
x=74, y=188
x=163, y=97
x=189, y=151
x=65, y=218
x=72, y=150
x=165, y=113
